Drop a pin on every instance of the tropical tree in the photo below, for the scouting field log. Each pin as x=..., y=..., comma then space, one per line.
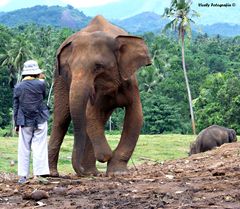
x=14, y=55
x=6, y=99
x=161, y=114
x=180, y=11
x=218, y=102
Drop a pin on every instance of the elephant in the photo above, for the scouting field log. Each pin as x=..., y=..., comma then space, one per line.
x=95, y=74
x=211, y=137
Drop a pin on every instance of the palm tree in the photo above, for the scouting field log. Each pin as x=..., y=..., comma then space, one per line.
x=180, y=11
x=13, y=56
x=7, y=60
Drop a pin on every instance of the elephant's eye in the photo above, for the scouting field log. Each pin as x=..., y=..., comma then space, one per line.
x=98, y=67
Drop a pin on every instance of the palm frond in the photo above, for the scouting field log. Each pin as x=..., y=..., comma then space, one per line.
x=171, y=25
x=192, y=21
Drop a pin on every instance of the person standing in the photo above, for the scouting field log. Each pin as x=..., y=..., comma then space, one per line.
x=30, y=116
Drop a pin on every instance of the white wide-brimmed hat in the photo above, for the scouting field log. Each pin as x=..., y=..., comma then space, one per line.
x=31, y=67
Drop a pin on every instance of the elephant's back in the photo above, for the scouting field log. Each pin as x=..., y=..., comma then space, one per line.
x=99, y=23
x=214, y=134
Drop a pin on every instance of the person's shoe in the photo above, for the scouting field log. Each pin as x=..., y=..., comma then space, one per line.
x=41, y=179
x=22, y=180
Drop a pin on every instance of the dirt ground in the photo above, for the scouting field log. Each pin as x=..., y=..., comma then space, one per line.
x=206, y=180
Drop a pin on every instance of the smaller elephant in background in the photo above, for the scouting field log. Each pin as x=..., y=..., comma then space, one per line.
x=213, y=136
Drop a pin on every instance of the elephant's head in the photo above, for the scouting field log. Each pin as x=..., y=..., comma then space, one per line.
x=232, y=136
x=96, y=63
x=193, y=148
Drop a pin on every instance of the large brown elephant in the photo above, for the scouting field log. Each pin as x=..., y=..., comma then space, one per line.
x=95, y=74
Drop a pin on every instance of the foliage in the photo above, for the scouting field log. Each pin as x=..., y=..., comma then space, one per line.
x=218, y=102
x=6, y=103
x=161, y=115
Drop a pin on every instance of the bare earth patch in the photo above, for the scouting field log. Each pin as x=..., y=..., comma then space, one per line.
x=206, y=180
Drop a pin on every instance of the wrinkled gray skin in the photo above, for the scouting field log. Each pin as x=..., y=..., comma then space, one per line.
x=213, y=136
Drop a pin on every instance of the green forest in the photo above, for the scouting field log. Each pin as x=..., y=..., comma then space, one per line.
x=212, y=63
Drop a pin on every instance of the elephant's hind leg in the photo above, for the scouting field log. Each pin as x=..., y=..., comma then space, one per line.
x=61, y=121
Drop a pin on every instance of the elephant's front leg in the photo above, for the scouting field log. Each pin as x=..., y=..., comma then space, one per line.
x=89, y=161
x=96, y=120
x=132, y=126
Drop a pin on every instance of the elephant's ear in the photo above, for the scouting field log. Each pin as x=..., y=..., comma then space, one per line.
x=132, y=53
x=60, y=51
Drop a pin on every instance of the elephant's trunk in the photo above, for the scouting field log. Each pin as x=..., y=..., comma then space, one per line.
x=78, y=101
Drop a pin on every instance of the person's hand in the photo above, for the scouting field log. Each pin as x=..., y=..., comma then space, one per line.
x=41, y=76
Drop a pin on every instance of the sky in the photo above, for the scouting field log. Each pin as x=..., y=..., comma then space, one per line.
x=120, y=9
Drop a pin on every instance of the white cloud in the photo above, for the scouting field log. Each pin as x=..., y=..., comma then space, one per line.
x=88, y=3
x=4, y=2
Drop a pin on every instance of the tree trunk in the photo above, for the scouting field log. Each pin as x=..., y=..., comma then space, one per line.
x=50, y=93
x=187, y=84
x=110, y=124
x=12, y=131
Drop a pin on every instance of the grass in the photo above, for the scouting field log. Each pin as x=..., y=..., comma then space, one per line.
x=149, y=147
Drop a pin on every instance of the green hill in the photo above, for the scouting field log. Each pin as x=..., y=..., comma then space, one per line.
x=43, y=15
x=70, y=17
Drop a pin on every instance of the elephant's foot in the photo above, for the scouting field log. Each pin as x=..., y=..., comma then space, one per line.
x=117, y=173
x=54, y=173
x=90, y=168
x=91, y=172
x=117, y=168
x=103, y=155
x=79, y=170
